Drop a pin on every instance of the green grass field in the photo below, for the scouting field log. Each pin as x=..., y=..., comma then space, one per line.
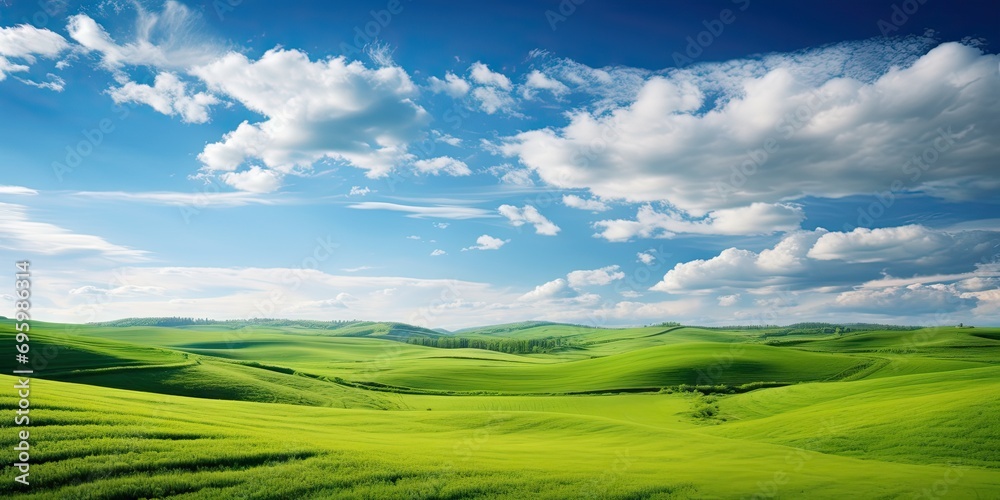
x=357, y=412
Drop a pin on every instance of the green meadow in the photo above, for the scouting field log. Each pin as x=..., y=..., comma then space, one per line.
x=535, y=410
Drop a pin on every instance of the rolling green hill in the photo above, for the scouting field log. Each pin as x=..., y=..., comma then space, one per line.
x=279, y=411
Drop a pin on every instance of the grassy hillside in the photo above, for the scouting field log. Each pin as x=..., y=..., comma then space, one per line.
x=206, y=411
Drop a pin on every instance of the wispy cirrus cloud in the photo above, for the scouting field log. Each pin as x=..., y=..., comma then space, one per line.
x=19, y=232
x=422, y=212
x=174, y=198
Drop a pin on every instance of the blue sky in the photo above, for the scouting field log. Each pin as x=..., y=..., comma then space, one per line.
x=596, y=162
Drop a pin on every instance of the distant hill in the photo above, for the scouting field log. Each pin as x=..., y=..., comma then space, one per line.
x=385, y=329
x=506, y=327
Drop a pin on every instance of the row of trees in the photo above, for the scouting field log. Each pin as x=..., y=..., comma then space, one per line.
x=512, y=346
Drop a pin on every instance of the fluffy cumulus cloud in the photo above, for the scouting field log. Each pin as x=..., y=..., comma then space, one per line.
x=492, y=90
x=254, y=180
x=20, y=46
x=728, y=300
x=487, y=242
x=784, y=264
x=529, y=215
x=556, y=288
x=509, y=174
x=574, y=201
x=327, y=109
x=592, y=277
x=857, y=271
x=757, y=218
x=913, y=243
x=647, y=257
x=442, y=165
x=168, y=95
x=482, y=75
x=452, y=85
x=912, y=299
x=845, y=119
x=537, y=80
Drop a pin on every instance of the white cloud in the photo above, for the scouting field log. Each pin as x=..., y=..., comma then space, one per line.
x=442, y=165
x=126, y=290
x=18, y=232
x=487, y=242
x=168, y=95
x=493, y=99
x=493, y=90
x=536, y=80
x=437, y=252
x=452, y=85
x=482, y=75
x=441, y=225
x=894, y=244
x=602, y=276
x=574, y=201
x=646, y=257
x=758, y=218
x=910, y=300
x=168, y=39
x=55, y=83
x=254, y=180
x=327, y=109
x=866, y=108
x=342, y=300
x=553, y=289
x=529, y=215
x=610, y=87
x=419, y=212
x=17, y=190
x=196, y=199
x=739, y=268
x=359, y=191
x=728, y=300
x=821, y=259
x=356, y=269
x=509, y=174
x=26, y=42
x=446, y=138
x=978, y=284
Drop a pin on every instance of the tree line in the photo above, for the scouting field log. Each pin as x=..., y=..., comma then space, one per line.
x=511, y=346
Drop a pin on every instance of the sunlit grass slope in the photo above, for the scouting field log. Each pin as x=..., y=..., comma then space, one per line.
x=289, y=412
x=94, y=442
